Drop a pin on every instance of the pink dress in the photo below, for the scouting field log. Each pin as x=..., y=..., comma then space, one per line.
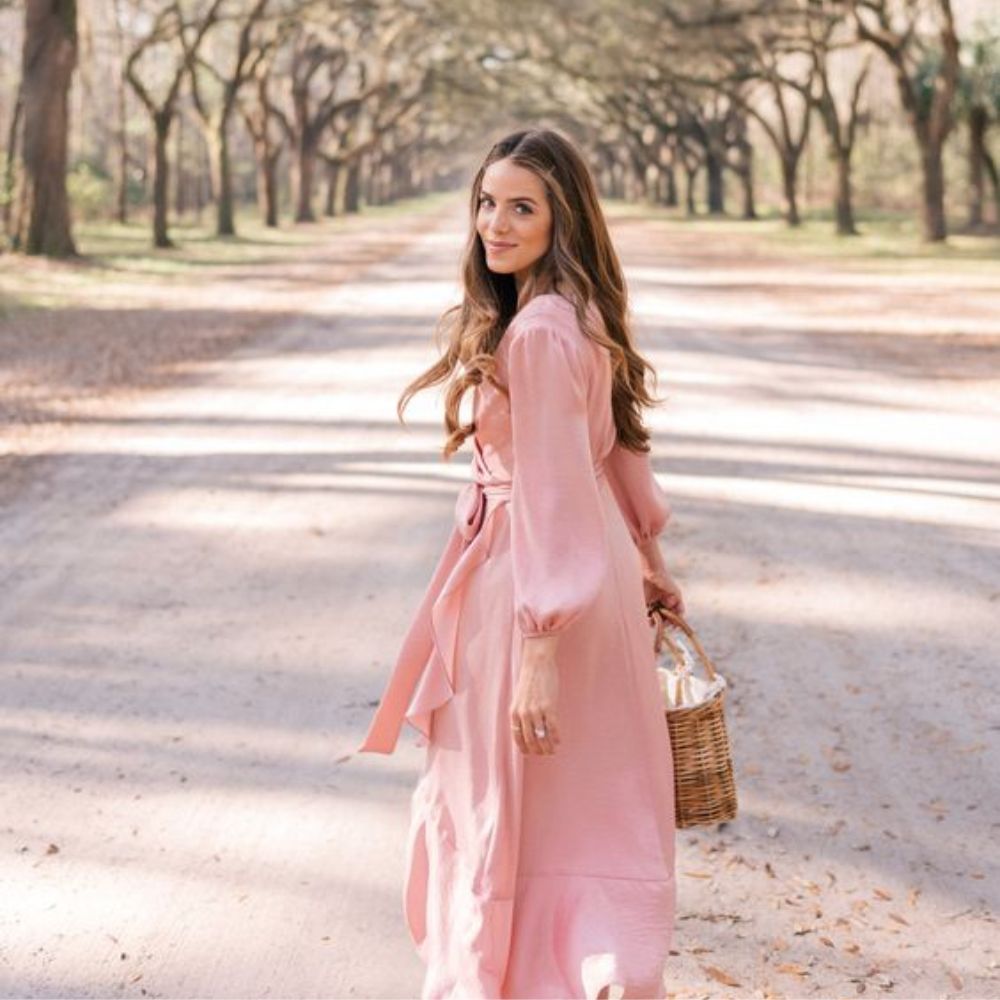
x=534, y=875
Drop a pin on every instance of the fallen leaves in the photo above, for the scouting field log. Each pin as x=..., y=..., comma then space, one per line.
x=720, y=975
x=738, y=859
x=714, y=918
x=792, y=969
x=808, y=884
x=936, y=807
x=837, y=757
x=876, y=978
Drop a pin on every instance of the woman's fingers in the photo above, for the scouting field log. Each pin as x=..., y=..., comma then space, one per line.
x=531, y=724
x=526, y=738
x=550, y=740
x=518, y=735
x=672, y=599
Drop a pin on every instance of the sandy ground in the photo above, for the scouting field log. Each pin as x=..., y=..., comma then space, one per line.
x=203, y=585
x=109, y=327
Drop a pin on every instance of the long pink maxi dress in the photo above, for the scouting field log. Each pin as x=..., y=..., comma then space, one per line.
x=540, y=875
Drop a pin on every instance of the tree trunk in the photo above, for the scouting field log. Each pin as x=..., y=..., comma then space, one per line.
x=352, y=189
x=266, y=155
x=397, y=178
x=121, y=112
x=691, y=176
x=10, y=167
x=715, y=187
x=994, y=175
x=934, y=222
x=270, y=181
x=332, y=173
x=372, y=175
x=843, y=206
x=642, y=189
x=266, y=159
x=48, y=61
x=388, y=187
x=180, y=187
x=121, y=136
x=617, y=181
x=202, y=192
x=789, y=181
x=746, y=174
x=978, y=120
x=161, y=178
x=931, y=120
x=225, y=224
x=669, y=176
x=749, y=200
x=305, y=160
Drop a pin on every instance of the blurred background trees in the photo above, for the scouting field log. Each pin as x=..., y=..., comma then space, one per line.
x=162, y=110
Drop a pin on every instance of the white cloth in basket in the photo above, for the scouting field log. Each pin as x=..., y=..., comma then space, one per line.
x=694, y=690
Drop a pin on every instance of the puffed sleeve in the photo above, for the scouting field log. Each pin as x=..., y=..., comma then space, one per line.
x=558, y=540
x=640, y=497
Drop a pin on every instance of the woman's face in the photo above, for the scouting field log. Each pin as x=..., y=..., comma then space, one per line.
x=514, y=220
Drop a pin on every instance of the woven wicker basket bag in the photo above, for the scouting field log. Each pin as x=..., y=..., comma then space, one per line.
x=704, y=785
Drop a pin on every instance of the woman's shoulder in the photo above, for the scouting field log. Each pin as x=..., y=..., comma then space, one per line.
x=547, y=305
x=549, y=321
x=547, y=314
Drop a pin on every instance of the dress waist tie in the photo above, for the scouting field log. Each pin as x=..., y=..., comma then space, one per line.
x=424, y=677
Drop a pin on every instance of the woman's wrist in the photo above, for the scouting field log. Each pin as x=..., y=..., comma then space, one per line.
x=651, y=556
x=540, y=648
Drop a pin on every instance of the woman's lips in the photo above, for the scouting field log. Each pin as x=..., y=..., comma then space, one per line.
x=499, y=247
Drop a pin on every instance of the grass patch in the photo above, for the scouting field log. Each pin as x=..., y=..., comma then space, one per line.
x=890, y=238
x=124, y=254
x=129, y=248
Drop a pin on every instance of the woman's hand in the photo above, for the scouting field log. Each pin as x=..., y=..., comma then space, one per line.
x=660, y=586
x=537, y=695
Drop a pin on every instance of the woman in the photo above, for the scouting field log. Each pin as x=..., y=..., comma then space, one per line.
x=540, y=856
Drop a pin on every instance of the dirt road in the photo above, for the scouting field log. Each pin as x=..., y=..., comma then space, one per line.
x=203, y=586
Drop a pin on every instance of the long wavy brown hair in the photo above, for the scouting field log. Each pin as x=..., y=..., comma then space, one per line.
x=581, y=264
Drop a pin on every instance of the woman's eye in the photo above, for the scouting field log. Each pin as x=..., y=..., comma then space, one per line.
x=484, y=201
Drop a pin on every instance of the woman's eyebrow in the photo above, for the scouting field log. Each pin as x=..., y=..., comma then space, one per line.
x=523, y=197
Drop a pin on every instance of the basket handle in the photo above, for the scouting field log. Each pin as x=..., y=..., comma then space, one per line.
x=674, y=619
